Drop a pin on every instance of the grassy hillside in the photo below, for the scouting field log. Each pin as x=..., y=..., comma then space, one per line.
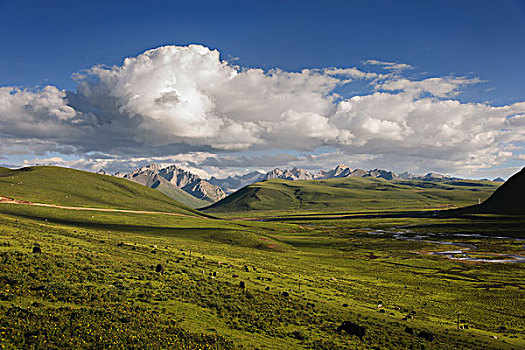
x=354, y=194
x=95, y=286
x=170, y=190
x=92, y=282
x=69, y=187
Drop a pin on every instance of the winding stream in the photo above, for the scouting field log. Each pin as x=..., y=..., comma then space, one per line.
x=456, y=254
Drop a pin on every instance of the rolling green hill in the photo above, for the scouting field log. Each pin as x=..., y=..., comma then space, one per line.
x=353, y=194
x=69, y=187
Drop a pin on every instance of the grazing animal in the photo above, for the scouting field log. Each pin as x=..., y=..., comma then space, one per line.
x=345, y=305
x=285, y=294
x=242, y=285
x=352, y=328
x=426, y=335
x=159, y=269
x=154, y=252
x=267, y=288
x=409, y=330
x=37, y=250
x=235, y=275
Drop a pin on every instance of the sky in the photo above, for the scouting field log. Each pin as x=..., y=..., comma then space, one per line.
x=228, y=87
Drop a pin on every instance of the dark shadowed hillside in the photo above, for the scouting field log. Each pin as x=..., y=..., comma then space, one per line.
x=509, y=198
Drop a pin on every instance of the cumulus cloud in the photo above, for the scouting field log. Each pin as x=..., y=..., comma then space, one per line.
x=186, y=101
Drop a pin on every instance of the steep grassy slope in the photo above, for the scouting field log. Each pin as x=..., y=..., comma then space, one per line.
x=63, y=186
x=170, y=190
x=353, y=194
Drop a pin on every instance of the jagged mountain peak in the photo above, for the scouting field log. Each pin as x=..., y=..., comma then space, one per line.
x=177, y=177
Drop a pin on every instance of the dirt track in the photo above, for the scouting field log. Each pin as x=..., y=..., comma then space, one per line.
x=7, y=200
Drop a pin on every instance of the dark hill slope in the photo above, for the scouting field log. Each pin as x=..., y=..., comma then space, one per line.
x=69, y=187
x=509, y=198
x=353, y=194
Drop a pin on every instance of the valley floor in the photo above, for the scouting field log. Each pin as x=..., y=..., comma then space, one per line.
x=258, y=284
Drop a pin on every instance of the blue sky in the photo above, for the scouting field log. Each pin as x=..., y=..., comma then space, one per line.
x=44, y=43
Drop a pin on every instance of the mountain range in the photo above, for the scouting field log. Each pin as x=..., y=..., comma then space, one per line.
x=234, y=183
x=192, y=190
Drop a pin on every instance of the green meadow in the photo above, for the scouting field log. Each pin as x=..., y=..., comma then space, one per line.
x=353, y=194
x=277, y=279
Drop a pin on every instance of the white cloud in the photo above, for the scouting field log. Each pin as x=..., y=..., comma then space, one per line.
x=29, y=113
x=351, y=73
x=185, y=101
x=440, y=87
x=388, y=65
